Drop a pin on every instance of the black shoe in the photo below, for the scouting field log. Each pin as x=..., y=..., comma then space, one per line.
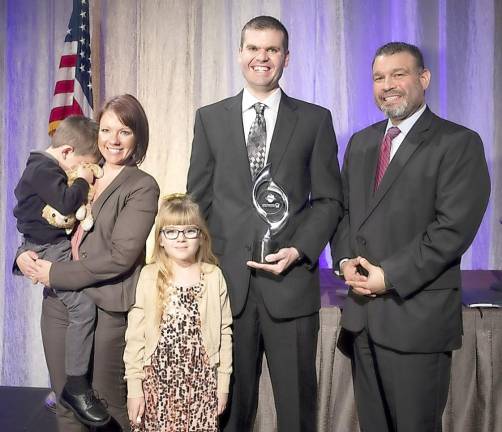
x=86, y=407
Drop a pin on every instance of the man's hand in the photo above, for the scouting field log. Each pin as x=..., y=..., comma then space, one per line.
x=371, y=285
x=135, y=409
x=27, y=264
x=222, y=402
x=349, y=269
x=281, y=261
x=43, y=269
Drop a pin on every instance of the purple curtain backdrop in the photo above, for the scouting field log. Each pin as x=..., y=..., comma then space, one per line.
x=331, y=42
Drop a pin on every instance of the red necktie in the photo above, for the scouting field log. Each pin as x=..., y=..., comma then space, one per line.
x=384, y=157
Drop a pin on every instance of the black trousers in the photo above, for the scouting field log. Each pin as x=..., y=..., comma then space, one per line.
x=290, y=348
x=397, y=391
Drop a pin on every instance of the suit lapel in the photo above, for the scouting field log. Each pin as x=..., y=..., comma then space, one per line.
x=116, y=182
x=285, y=124
x=236, y=140
x=371, y=159
x=415, y=137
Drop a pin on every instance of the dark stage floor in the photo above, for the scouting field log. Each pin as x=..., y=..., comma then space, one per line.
x=22, y=410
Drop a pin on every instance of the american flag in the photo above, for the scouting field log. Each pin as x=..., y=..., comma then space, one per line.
x=73, y=89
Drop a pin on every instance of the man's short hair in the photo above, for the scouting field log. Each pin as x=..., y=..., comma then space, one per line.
x=79, y=132
x=265, y=22
x=397, y=47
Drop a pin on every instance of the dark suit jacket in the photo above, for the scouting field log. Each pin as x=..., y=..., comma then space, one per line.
x=416, y=226
x=303, y=157
x=113, y=252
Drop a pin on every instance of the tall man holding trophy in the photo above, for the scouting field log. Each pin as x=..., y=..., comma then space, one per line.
x=265, y=173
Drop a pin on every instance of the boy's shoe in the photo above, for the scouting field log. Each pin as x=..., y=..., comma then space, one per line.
x=86, y=406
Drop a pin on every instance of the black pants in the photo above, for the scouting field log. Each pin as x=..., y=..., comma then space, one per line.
x=290, y=348
x=397, y=391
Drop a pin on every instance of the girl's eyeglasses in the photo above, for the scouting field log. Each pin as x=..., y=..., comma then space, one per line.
x=171, y=233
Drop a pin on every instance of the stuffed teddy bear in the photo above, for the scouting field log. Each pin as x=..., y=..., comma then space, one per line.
x=83, y=214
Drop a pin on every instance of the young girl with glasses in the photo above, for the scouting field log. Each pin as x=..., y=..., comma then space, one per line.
x=178, y=355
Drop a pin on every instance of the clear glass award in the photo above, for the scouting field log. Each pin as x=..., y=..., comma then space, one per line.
x=272, y=205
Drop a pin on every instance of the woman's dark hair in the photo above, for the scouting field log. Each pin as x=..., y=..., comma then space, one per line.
x=131, y=113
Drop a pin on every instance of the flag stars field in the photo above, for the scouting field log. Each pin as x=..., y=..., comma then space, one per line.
x=73, y=88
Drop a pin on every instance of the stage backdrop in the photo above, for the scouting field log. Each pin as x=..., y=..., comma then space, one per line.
x=178, y=55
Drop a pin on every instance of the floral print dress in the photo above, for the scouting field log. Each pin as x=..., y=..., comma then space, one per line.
x=180, y=384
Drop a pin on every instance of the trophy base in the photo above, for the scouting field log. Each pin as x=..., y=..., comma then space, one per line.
x=262, y=248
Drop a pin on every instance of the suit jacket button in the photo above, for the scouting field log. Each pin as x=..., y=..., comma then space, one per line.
x=248, y=248
x=83, y=254
x=361, y=240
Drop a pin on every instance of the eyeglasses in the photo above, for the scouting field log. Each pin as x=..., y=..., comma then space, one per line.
x=172, y=233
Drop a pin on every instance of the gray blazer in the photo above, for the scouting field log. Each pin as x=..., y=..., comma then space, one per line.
x=113, y=252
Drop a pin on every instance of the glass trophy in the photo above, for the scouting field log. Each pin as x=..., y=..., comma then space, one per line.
x=272, y=205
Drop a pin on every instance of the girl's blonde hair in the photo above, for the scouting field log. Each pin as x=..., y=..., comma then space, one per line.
x=177, y=209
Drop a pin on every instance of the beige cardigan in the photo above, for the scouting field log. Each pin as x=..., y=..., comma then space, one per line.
x=143, y=333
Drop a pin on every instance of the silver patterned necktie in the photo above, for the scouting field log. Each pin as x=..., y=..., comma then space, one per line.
x=257, y=139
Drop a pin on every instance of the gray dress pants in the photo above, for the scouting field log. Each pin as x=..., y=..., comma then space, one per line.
x=107, y=365
x=81, y=309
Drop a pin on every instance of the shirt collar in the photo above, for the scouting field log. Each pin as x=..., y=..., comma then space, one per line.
x=272, y=102
x=407, y=123
x=44, y=153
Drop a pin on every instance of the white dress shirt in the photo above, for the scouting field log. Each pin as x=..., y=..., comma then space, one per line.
x=404, y=127
x=270, y=113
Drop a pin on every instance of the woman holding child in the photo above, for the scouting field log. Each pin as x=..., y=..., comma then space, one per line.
x=107, y=260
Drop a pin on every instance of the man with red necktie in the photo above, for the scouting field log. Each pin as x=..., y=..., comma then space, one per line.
x=415, y=188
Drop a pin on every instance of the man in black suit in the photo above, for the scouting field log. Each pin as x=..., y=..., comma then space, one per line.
x=275, y=305
x=414, y=199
